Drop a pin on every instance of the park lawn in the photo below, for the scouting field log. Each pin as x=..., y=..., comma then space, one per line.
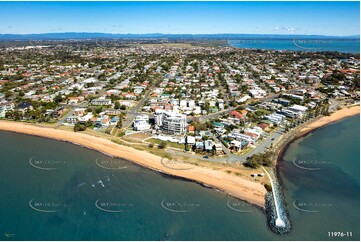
x=265, y=111
x=137, y=137
x=244, y=152
x=169, y=144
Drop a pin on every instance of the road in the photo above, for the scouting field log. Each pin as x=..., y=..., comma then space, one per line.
x=232, y=158
x=267, y=142
x=135, y=111
x=71, y=111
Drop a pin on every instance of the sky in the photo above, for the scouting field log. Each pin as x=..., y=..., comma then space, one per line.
x=323, y=18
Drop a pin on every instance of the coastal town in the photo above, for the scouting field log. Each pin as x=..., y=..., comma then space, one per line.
x=180, y=120
x=211, y=103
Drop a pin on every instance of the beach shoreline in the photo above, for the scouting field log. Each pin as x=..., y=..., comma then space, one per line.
x=343, y=113
x=313, y=126
x=235, y=186
x=308, y=128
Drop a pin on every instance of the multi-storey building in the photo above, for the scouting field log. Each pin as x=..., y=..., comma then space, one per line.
x=172, y=123
x=5, y=107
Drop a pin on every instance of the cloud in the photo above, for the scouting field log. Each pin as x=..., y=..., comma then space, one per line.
x=117, y=26
x=284, y=30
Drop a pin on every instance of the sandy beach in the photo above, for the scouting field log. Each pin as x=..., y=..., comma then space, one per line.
x=247, y=190
x=231, y=184
x=338, y=115
x=313, y=125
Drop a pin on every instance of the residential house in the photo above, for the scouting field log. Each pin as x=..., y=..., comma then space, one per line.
x=25, y=106
x=101, y=102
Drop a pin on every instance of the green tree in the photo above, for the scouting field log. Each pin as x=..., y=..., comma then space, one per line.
x=79, y=127
x=98, y=109
x=58, y=98
x=257, y=160
x=120, y=123
x=162, y=145
x=117, y=105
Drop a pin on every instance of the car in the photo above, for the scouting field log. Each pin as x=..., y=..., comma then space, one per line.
x=273, y=139
x=205, y=157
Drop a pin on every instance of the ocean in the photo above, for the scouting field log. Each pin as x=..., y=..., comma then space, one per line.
x=339, y=45
x=53, y=190
x=321, y=177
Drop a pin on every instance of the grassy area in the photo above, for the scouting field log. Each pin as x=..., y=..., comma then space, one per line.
x=169, y=144
x=244, y=152
x=88, y=131
x=237, y=171
x=246, y=173
x=265, y=111
x=241, y=171
x=138, y=137
x=109, y=129
x=44, y=124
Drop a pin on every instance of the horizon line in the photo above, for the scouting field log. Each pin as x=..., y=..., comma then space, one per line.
x=280, y=34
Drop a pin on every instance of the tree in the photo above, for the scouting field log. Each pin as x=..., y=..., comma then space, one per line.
x=257, y=160
x=79, y=127
x=233, y=104
x=117, y=105
x=162, y=145
x=16, y=115
x=120, y=123
x=98, y=109
x=8, y=94
x=205, y=137
x=251, y=163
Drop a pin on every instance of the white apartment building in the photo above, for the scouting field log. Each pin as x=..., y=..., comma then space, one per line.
x=159, y=117
x=141, y=123
x=191, y=103
x=72, y=119
x=98, y=102
x=5, y=107
x=86, y=117
x=298, y=108
x=79, y=111
x=172, y=123
x=276, y=118
x=183, y=103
